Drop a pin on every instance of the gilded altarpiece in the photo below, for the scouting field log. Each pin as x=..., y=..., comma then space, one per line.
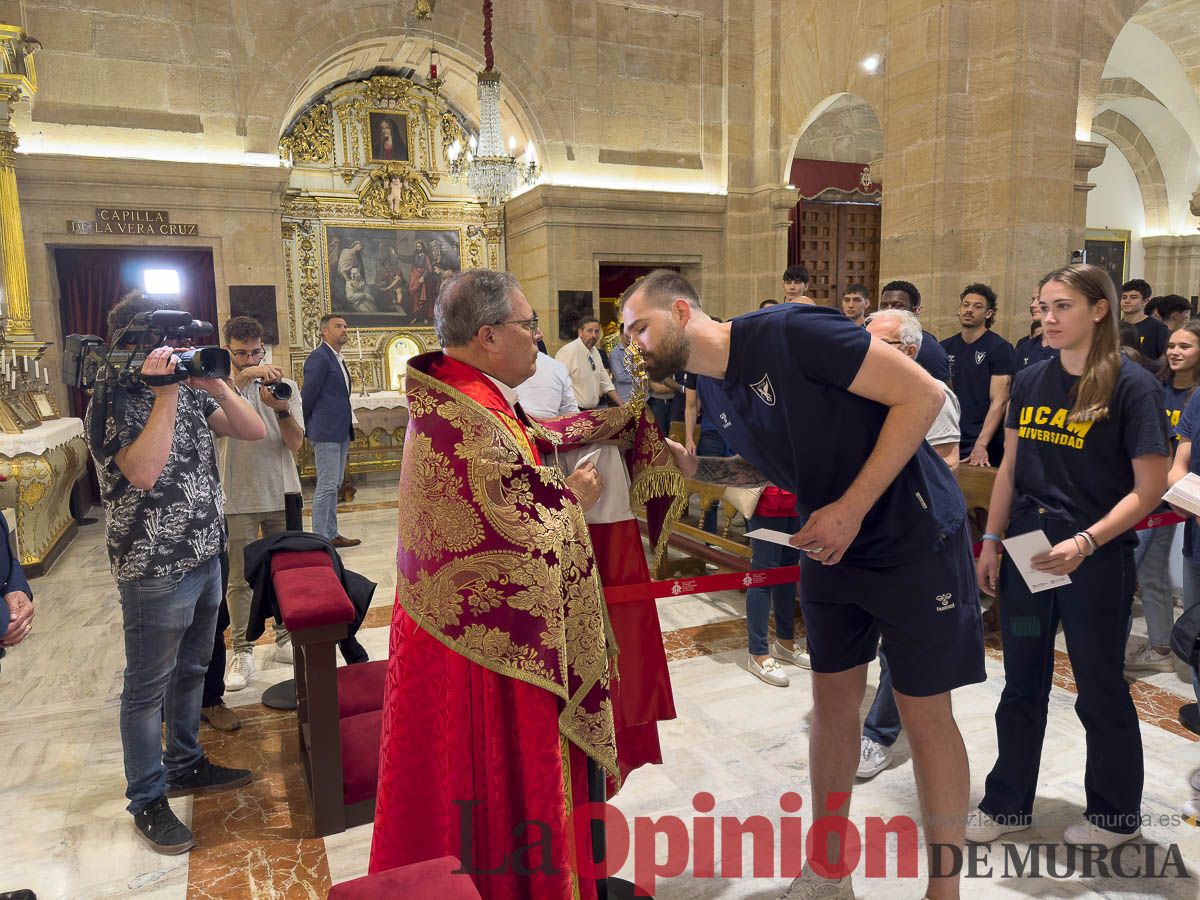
x=372, y=226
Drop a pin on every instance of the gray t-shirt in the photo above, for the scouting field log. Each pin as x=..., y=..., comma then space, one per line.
x=945, y=428
x=256, y=474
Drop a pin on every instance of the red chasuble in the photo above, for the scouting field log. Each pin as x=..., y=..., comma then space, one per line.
x=497, y=688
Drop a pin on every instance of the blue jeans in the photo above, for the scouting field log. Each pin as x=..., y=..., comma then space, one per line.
x=1153, y=559
x=169, y=624
x=1191, y=596
x=780, y=597
x=661, y=410
x=882, y=724
x=330, y=459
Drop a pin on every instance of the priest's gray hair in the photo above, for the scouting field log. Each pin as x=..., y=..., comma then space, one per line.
x=470, y=300
x=910, y=325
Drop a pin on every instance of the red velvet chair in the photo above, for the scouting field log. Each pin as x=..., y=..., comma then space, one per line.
x=429, y=880
x=338, y=709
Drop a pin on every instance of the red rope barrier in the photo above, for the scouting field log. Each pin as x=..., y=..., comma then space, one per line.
x=739, y=581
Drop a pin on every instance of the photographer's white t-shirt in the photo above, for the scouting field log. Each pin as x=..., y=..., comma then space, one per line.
x=256, y=474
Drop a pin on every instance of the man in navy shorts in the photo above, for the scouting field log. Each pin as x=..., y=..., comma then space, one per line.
x=812, y=403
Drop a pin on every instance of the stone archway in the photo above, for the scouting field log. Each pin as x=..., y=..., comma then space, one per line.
x=1124, y=134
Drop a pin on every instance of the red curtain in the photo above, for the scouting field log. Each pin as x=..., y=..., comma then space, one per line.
x=811, y=177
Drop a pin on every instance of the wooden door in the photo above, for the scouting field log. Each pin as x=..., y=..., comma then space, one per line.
x=839, y=245
x=858, y=247
x=818, y=247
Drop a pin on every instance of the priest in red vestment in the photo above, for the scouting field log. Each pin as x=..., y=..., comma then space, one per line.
x=501, y=649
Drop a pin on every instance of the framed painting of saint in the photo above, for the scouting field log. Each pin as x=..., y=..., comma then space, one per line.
x=1108, y=248
x=382, y=277
x=389, y=137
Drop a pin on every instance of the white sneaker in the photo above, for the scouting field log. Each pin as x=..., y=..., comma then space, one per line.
x=1147, y=659
x=1084, y=834
x=873, y=759
x=770, y=672
x=811, y=886
x=1194, y=781
x=240, y=671
x=796, y=656
x=983, y=829
x=283, y=653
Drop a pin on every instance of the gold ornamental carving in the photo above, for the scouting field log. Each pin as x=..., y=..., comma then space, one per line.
x=395, y=192
x=8, y=149
x=311, y=138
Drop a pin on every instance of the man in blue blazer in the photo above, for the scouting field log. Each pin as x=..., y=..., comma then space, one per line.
x=328, y=423
x=16, y=612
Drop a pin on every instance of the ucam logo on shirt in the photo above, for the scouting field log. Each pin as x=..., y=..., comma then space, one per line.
x=980, y=356
x=1057, y=429
x=765, y=390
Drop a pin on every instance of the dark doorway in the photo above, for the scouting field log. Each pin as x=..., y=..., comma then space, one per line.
x=614, y=278
x=92, y=280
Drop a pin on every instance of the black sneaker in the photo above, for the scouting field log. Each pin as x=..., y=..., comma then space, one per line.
x=205, y=778
x=161, y=829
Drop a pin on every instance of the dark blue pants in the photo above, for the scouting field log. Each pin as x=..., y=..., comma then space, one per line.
x=711, y=444
x=882, y=724
x=661, y=410
x=214, y=678
x=781, y=598
x=1093, y=611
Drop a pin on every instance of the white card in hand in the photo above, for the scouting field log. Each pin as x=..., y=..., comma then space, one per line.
x=1023, y=548
x=770, y=534
x=589, y=457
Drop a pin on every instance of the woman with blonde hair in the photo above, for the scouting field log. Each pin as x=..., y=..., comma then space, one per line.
x=1086, y=455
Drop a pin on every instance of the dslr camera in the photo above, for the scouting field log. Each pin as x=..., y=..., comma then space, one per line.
x=278, y=389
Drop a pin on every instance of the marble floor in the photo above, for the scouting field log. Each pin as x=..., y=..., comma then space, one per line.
x=66, y=834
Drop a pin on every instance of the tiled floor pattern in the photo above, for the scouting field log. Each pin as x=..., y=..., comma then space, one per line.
x=743, y=741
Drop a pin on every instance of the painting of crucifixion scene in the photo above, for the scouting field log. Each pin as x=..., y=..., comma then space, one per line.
x=384, y=277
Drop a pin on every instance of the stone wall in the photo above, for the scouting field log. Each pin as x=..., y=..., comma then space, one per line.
x=236, y=209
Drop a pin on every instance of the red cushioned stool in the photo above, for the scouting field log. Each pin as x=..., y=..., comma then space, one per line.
x=317, y=612
x=429, y=880
x=360, y=688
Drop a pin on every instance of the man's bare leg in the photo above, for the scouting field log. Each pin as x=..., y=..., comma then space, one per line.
x=834, y=742
x=943, y=781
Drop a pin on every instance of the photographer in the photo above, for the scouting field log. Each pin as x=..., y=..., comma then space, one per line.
x=256, y=475
x=165, y=529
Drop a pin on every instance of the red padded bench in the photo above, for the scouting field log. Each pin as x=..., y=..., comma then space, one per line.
x=429, y=880
x=338, y=714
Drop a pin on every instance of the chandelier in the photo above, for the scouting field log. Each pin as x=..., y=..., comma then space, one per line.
x=492, y=173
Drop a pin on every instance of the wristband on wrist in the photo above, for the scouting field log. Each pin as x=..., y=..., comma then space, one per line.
x=992, y=537
x=282, y=414
x=1091, y=541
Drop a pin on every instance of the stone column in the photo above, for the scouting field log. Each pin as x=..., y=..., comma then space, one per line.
x=17, y=80
x=1088, y=155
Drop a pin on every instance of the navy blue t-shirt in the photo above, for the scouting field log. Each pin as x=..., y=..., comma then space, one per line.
x=931, y=357
x=1077, y=471
x=1188, y=429
x=1032, y=350
x=1153, y=334
x=784, y=407
x=971, y=369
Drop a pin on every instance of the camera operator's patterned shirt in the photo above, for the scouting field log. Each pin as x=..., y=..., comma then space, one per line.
x=180, y=522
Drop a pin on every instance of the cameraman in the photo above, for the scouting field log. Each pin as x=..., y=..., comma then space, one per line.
x=256, y=475
x=165, y=529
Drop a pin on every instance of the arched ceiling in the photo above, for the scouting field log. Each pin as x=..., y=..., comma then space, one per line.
x=1127, y=137
x=847, y=130
x=1177, y=24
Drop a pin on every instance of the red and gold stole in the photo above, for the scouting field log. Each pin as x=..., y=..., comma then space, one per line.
x=494, y=558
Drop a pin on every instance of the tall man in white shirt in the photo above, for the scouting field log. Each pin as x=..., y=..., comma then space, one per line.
x=589, y=377
x=256, y=475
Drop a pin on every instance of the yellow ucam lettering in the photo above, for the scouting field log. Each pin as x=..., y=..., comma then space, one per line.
x=1081, y=429
x=1060, y=419
x=1042, y=416
x=1026, y=415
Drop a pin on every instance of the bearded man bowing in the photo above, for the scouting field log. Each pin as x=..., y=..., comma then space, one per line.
x=497, y=688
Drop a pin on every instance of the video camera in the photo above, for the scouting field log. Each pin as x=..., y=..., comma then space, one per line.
x=88, y=360
x=89, y=363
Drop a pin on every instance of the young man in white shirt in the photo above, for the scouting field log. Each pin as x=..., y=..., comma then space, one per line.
x=548, y=392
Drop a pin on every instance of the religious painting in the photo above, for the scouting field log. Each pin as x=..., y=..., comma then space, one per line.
x=388, y=277
x=572, y=306
x=400, y=349
x=1108, y=248
x=258, y=302
x=389, y=137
